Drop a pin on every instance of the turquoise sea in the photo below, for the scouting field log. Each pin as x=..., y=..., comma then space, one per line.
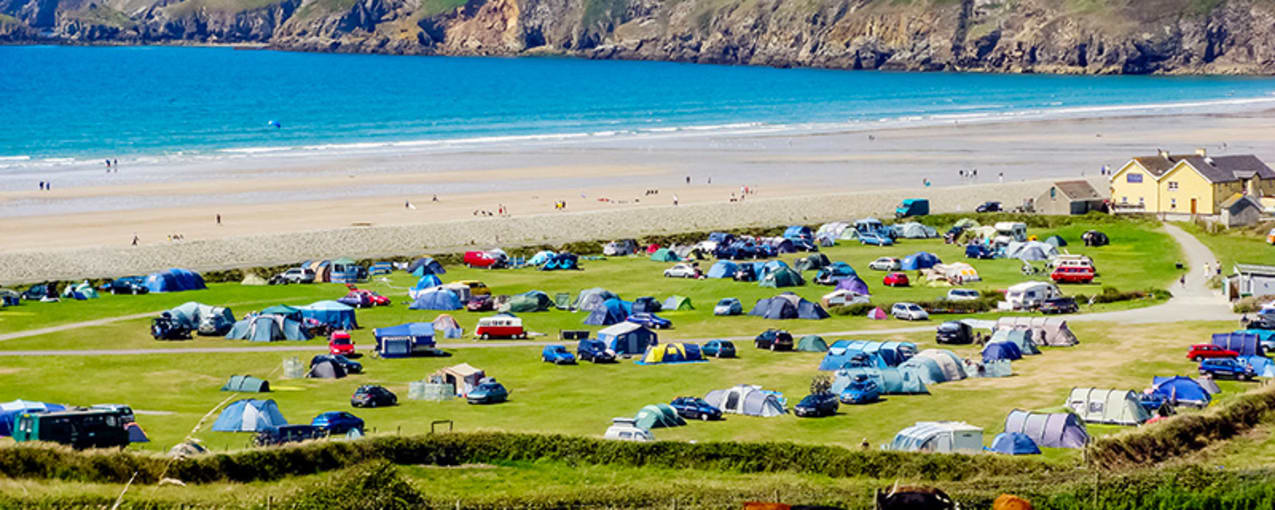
x=77, y=105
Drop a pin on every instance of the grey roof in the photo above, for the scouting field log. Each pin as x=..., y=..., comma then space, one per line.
x=1158, y=165
x=1230, y=168
x=1254, y=269
x=1078, y=190
x=1238, y=201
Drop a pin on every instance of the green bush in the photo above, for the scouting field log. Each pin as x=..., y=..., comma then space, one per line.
x=375, y=485
x=855, y=310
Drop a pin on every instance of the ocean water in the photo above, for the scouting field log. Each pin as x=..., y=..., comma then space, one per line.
x=68, y=106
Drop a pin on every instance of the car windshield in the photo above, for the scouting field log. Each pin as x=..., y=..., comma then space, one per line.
x=914, y=308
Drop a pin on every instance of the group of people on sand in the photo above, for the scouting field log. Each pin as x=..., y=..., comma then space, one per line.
x=112, y=166
x=560, y=205
x=46, y=185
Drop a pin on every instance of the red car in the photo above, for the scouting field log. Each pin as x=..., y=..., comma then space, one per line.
x=895, y=280
x=482, y=259
x=340, y=343
x=1072, y=275
x=1204, y=351
x=480, y=303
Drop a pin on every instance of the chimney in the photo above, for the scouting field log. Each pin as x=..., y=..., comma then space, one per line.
x=1202, y=152
x=1163, y=153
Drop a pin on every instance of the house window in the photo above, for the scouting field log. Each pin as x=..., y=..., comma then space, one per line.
x=1124, y=200
x=1133, y=178
x=1173, y=203
x=1142, y=201
x=1173, y=185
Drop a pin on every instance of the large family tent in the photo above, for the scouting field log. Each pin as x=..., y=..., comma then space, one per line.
x=665, y=255
x=1116, y=407
x=345, y=270
x=676, y=352
x=1051, y=331
x=331, y=313
x=10, y=411
x=446, y=326
x=853, y=284
x=723, y=269
x=890, y=380
x=288, y=312
x=957, y=273
x=530, y=301
x=656, y=416
x=812, y=262
x=428, y=281
x=938, y=437
x=1021, y=339
x=404, y=339
x=174, y=280
x=246, y=384
x=1181, y=391
x=267, y=328
x=951, y=365
x=676, y=302
x=781, y=277
x=611, y=312
x=561, y=261
x=1031, y=251
x=627, y=338
x=81, y=291
x=842, y=351
x=1051, y=430
x=812, y=343
x=424, y=266
x=1014, y=443
x=747, y=400
x=593, y=299
x=463, y=378
x=833, y=231
x=646, y=304
x=1262, y=366
x=249, y=415
x=207, y=319
x=927, y=369
x=436, y=298
x=1246, y=344
x=919, y=260
x=788, y=306
x=1001, y=350
x=914, y=230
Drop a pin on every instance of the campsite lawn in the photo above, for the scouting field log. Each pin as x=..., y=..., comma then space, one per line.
x=1244, y=246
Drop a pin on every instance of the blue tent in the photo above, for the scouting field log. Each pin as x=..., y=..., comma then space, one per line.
x=919, y=260
x=9, y=412
x=1014, y=443
x=1243, y=343
x=1262, y=366
x=837, y=270
x=1180, y=390
x=841, y=351
x=174, y=280
x=427, y=281
x=798, y=232
x=540, y=257
x=331, y=313
x=249, y=415
x=417, y=335
x=267, y=328
x=890, y=380
x=978, y=251
x=561, y=261
x=611, y=312
x=424, y=266
x=1001, y=350
x=436, y=298
x=723, y=269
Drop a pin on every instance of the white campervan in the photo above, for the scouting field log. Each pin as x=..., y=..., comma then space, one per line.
x=1028, y=295
x=626, y=429
x=1009, y=231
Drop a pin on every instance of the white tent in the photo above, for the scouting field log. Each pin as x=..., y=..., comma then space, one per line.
x=747, y=400
x=1118, y=407
x=1052, y=331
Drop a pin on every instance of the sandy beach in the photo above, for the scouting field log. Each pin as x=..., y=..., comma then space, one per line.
x=282, y=210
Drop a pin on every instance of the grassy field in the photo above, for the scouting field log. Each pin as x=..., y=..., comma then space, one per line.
x=1245, y=246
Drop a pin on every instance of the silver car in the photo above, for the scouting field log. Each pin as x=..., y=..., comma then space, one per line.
x=885, y=264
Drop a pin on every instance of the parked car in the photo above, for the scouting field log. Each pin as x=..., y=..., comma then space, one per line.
x=620, y=248
x=500, y=326
x=481, y=303
x=484, y=260
x=718, y=349
x=373, y=396
x=294, y=275
x=350, y=366
x=683, y=271
x=339, y=342
x=895, y=280
x=337, y=422
x=488, y=391
x=962, y=295
x=861, y=390
x=695, y=408
x=775, y=340
x=909, y=312
x=650, y=320
x=284, y=434
x=1072, y=274
x=817, y=405
x=40, y=291
x=125, y=412
x=557, y=354
x=912, y=207
x=954, y=332
x=127, y=285
x=987, y=207
x=1200, y=352
x=875, y=239
x=885, y=264
x=728, y=306
x=592, y=349
x=626, y=429
x=476, y=287
x=1059, y=305
x=1226, y=368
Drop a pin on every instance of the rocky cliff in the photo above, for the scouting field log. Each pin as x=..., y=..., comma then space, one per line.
x=1055, y=36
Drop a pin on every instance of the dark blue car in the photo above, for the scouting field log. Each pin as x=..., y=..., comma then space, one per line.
x=695, y=408
x=861, y=390
x=592, y=349
x=557, y=354
x=719, y=349
x=650, y=320
x=126, y=285
x=337, y=422
x=1226, y=368
x=816, y=405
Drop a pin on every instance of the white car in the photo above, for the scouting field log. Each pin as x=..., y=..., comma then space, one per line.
x=626, y=429
x=681, y=271
x=885, y=264
x=963, y=295
x=909, y=312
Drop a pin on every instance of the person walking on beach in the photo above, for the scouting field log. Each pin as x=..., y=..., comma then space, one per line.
x=219, y=219
x=1001, y=176
x=135, y=239
x=674, y=200
x=1182, y=281
x=688, y=179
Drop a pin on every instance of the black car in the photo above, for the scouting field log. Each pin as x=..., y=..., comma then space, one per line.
x=816, y=405
x=1059, y=305
x=288, y=434
x=775, y=340
x=168, y=328
x=1261, y=322
x=373, y=396
x=127, y=285
x=954, y=332
x=988, y=207
x=695, y=408
x=40, y=291
x=350, y=366
x=590, y=349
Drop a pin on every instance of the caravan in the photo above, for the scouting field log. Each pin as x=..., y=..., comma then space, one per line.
x=1028, y=295
x=1009, y=231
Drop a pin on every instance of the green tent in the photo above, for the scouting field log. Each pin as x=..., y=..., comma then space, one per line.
x=665, y=255
x=676, y=302
x=562, y=301
x=966, y=223
x=812, y=343
x=781, y=277
x=658, y=415
x=290, y=312
x=534, y=301
x=246, y=384
x=812, y=262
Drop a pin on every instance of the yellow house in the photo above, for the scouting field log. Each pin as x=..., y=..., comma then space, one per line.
x=1194, y=184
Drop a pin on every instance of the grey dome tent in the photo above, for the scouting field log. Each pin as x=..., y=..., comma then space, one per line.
x=746, y=400
x=246, y=384
x=788, y=306
x=612, y=312
x=1033, y=251
x=812, y=262
x=646, y=304
x=1051, y=331
x=1051, y=430
x=326, y=370
x=593, y=299
x=1056, y=241
x=812, y=343
x=267, y=328
x=781, y=277
x=249, y=415
x=676, y=302
x=951, y=365
x=914, y=230
x=1117, y=407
